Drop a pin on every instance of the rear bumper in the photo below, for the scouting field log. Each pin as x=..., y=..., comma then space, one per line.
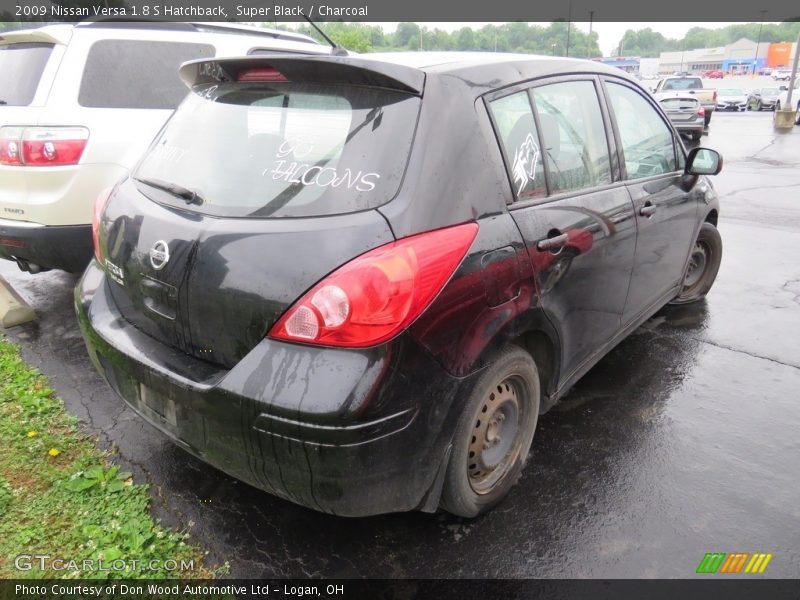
x=349, y=432
x=67, y=247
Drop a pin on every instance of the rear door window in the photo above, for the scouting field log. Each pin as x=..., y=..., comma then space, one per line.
x=137, y=73
x=21, y=67
x=516, y=128
x=282, y=150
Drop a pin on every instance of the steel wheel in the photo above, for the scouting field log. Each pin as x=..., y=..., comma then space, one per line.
x=496, y=441
x=493, y=435
x=703, y=265
x=697, y=265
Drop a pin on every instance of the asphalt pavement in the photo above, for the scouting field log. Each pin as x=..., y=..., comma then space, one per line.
x=683, y=440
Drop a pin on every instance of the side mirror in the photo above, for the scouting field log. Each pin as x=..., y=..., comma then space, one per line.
x=703, y=161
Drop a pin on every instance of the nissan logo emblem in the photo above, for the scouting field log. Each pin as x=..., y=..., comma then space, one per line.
x=159, y=255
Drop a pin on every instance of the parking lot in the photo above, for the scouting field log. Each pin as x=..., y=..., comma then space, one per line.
x=683, y=440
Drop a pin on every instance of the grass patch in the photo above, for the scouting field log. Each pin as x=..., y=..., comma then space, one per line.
x=61, y=496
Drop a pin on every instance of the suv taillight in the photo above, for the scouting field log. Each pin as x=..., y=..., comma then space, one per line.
x=373, y=297
x=97, y=214
x=42, y=146
x=701, y=112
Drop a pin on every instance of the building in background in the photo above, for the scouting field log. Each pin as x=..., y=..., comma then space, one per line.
x=626, y=63
x=737, y=58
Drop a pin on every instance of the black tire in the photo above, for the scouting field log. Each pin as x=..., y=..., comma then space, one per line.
x=797, y=115
x=758, y=106
x=696, y=135
x=703, y=266
x=509, y=387
x=708, y=117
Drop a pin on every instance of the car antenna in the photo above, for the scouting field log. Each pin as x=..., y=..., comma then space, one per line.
x=336, y=49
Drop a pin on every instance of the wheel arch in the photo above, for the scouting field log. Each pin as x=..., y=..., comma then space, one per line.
x=712, y=217
x=545, y=352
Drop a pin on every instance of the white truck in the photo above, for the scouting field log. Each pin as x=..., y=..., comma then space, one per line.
x=671, y=87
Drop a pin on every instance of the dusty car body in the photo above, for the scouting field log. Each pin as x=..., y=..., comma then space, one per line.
x=387, y=344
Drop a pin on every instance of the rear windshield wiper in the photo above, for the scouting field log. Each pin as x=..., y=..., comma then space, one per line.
x=185, y=194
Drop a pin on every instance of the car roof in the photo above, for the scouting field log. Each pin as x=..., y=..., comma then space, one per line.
x=62, y=33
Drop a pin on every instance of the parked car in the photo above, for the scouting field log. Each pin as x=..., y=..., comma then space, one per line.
x=79, y=104
x=713, y=74
x=295, y=289
x=671, y=87
x=764, y=98
x=733, y=99
x=687, y=115
x=782, y=75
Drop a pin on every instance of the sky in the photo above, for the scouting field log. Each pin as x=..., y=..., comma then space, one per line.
x=609, y=34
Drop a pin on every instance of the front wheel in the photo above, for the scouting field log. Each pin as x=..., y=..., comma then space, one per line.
x=493, y=435
x=703, y=266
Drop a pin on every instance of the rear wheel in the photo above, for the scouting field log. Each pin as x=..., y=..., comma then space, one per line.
x=696, y=135
x=703, y=266
x=708, y=117
x=493, y=435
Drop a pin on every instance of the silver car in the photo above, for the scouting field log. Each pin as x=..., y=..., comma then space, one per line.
x=731, y=99
x=687, y=115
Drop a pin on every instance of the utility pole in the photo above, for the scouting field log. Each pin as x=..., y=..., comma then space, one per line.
x=589, y=44
x=569, y=23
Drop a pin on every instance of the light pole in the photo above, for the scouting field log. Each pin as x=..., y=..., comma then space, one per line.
x=589, y=43
x=569, y=23
x=758, y=43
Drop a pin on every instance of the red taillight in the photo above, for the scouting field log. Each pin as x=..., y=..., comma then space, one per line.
x=42, y=146
x=378, y=294
x=260, y=74
x=99, y=204
x=701, y=112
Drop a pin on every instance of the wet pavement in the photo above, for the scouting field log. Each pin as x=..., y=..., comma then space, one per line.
x=683, y=440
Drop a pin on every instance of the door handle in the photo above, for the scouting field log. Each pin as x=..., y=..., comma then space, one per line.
x=553, y=243
x=648, y=210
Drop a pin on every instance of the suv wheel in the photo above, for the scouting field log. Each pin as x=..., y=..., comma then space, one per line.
x=493, y=435
x=703, y=266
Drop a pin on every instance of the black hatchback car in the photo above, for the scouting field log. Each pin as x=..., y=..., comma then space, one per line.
x=355, y=282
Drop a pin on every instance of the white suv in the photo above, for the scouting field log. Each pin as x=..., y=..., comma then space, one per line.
x=79, y=104
x=783, y=100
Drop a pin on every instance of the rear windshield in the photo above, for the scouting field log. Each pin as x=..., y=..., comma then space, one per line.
x=679, y=103
x=282, y=150
x=689, y=83
x=136, y=73
x=21, y=67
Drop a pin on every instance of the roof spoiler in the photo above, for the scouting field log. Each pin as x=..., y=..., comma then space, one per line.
x=308, y=69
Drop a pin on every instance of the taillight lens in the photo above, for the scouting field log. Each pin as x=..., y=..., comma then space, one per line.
x=378, y=294
x=701, y=112
x=42, y=146
x=99, y=205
